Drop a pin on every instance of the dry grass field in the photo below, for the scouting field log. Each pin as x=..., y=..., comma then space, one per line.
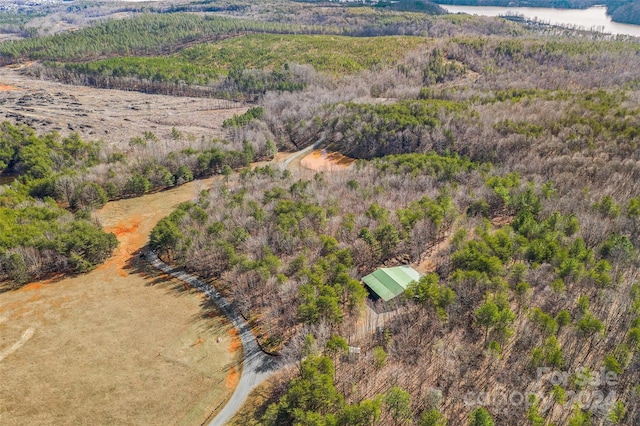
x=119, y=345
x=113, y=116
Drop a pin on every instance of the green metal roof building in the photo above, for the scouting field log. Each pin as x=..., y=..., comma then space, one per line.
x=387, y=283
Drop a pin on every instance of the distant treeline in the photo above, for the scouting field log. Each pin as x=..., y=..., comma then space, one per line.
x=400, y=5
x=241, y=67
x=627, y=11
x=166, y=33
x=144, y=35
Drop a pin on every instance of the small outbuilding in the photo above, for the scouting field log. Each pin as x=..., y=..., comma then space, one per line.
x=387, y=283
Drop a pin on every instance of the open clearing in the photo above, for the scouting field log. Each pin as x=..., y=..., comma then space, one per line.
x=120, y=345
x=113, y=116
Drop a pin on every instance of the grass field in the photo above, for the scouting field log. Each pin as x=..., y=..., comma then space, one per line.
x=120, y=345
x=115, y=116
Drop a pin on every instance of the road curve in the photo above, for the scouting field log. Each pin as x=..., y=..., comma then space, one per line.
x=256, y=365
x=297, y=154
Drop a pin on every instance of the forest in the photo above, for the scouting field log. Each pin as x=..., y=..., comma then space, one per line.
x=500, y=158
x=626, y=11
x=51, y=173
x=529, y=177
x=145, y=34
x=39, y=237
x=238, y=68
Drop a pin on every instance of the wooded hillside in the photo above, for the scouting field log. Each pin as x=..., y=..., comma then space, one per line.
x=521, y=153
x=500, y=160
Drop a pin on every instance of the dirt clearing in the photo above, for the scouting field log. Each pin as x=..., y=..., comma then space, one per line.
x=326, y=161
x=120, y=345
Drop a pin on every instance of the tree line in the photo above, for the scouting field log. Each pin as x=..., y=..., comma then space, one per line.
x=145, y=34
x=39, y=237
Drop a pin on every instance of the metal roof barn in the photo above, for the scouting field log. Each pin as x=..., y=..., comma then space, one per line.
x=387, y=283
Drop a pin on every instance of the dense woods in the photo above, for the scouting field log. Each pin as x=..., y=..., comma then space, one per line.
x=275, y=215
x=520, y=153
x=38, y=237
x=51, y=171
x=291, y=253
x=137, y=54
x=259, y=52
x=626, y=11
x=87, y=174
x=241, y=67
x=501, y=160
x=143, y=35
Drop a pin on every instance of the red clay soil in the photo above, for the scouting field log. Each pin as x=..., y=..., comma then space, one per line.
x=322, y=160
x=235, y=344
x=232, y=378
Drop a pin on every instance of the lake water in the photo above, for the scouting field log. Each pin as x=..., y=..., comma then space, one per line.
x=592, y=18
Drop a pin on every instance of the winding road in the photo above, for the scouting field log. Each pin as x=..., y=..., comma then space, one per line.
x=300, y=153
x=256, y=365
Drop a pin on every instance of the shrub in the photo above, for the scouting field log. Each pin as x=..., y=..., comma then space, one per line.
x=559, y=394
x=589, y=325
x=137, y=185
x=549, y=354
x=89, y=195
